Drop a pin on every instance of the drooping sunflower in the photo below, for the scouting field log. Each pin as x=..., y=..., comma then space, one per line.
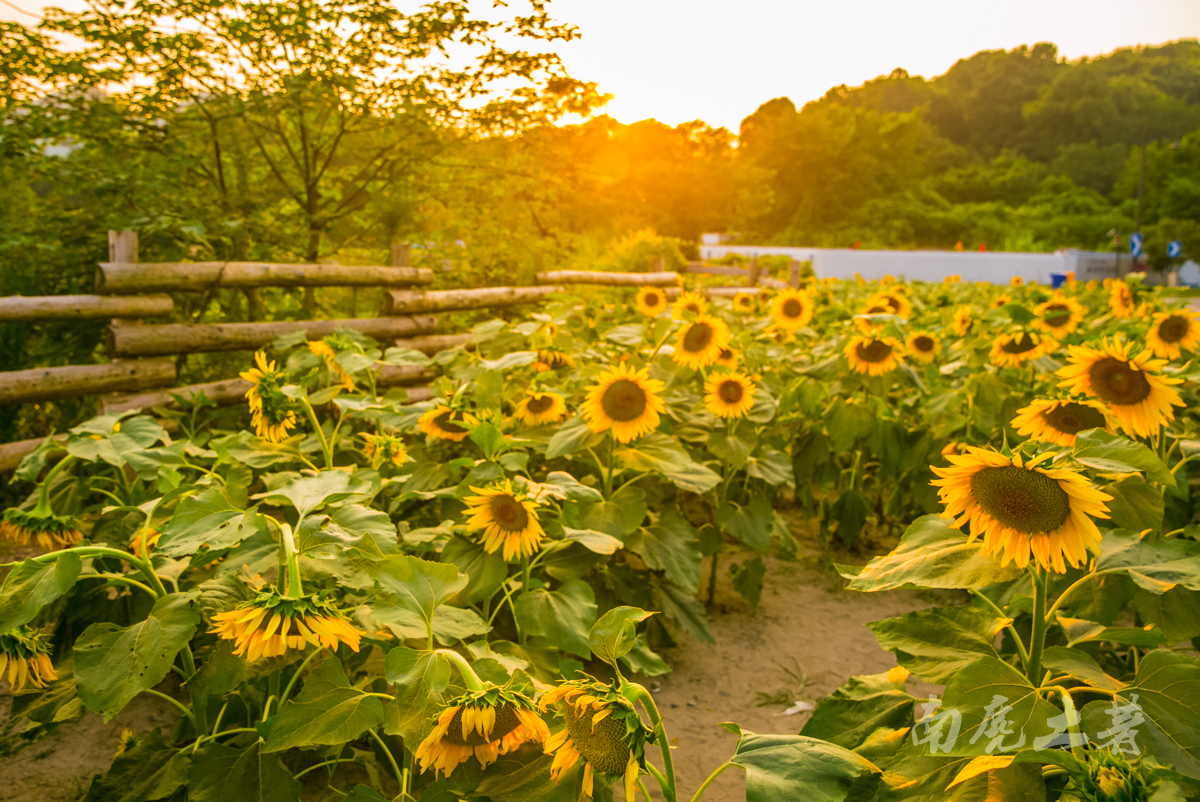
x=272, y=413
x=1139, y=396
x=325, y=352
x=381, y=448
x=49, y=531
x=1059, y=316
x=270, y=624
x=550, y=359
x=743, y=302
x=1022, y=510
x=791, y=309
x=508, y=519
x=625, y=400
x=699, y=343
x=729, y=395
x=1120, y=299
x=963, y=320
x=1013, y=349
x=923, y=346
x=536, y=409
x=728, y=358
x=651, y=301
x=602, y=728
x=483, y=724
x=144, y=540
x=443, y=423
x=1172, y=333
x=689, y=302
x=1059, y=421
x=25, y=658
x=873, y=355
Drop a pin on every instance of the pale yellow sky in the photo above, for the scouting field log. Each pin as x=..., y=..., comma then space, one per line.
x=680, y=60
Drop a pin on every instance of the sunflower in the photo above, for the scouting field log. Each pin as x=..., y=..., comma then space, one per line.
x=272, y=413
x=381, y=448
x=689, y=302
x=729, y=395
x=1172, y=333
x=1120, y=299
x=270, y=624
x=791, y=309
x=1020, y=509
x=763, y=298
x=896, y=303
x=743, y=302
x=602, y=728
x=1016, y=281
x=923, y=346
x=1139, y=396
x=144, y=541
x=1000, y=300
x=51, y=532
x=873, y=355
x=963, y=320
x=325, y=352
x=699, y=344
x=538, y=408
x=25, y=658
x=877, y=306
x=483, y=724
x=651, y=301
x=728, y=358
x=443, y=423
x=550, y=359
x=625, y=400
x=1059, y=316
x=1011, y=350
x=509, y=520
x=1059, y=421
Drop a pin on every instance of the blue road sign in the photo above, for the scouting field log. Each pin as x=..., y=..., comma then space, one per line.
x=1135, y=244
x=1174, y=248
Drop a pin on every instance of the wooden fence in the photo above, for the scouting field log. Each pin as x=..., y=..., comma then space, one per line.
x=142, y=373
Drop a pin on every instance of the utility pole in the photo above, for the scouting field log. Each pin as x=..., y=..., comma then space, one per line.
x=1137, y=226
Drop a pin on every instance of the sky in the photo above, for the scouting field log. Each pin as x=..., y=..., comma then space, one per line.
x=682, y=60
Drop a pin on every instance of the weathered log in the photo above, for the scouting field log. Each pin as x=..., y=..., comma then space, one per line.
x=728, y=292
x=718, y=270
x=83, y=307
x=609, y=279
x=121, y=278
x=233, y=391
x=435, y=342
x=48, y=384
x=411, y=302
x=183, y=338
x=772, y=283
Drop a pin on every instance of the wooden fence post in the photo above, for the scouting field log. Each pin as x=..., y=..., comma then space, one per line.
x=401, y=254
x=123, y=247
x=794, y=273
x=753, y=280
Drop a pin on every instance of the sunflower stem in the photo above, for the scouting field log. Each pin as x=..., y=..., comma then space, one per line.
x=296, y=676
x=316, y=424
x=388, y=752
x=608, y=476
x=294, y=588
x=667, y=782
x=474, y=683
x=1037, y=640
x=43, y=509
x=1012, y=630
x=178, y=704
x=709, y=780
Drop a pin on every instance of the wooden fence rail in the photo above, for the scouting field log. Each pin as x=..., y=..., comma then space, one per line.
x=433, y=343
x=666, y=279
x=83, y=307
x=410, y=302
x=126, y=277
x=49, y=384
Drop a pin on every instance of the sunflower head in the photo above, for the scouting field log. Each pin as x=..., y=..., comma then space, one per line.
x=49, y=531
x=923, y=346
x=1121, y=300
x=743, y=302
x=963, y=319
x=25, y=659
x=602, y=728
x=144, y=541
x=651, y=301
x=325, y=351
x=626, y=401
x=699, y=343
x=728, y=358
x=381, y=448
x=1172, y=333
x=729, y=395
x=270, y=624
x=537, y=409
x=507, y=518
x=791, y=309
x=127, y=741
x=550, y=359
x=1021, y=510
x=1060, y=315
x=1000, y=300
x=1015, y=348
x=272, y=413
x=1130, y=384
x=1017, y=281
x=444, y=423
x=1060, y=421
x=689, y=302
x=872, y=354
x=483, y=724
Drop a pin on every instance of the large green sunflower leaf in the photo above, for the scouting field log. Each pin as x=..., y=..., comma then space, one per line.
x=1113, y=453
x=221, y=773
x=915, y=777
x=416, y=585
x=562, y=616
x=935, y=643
x=1135, y=504
x=32, y=585
x=783, y=768
x=658, y=452
x=307, y=493
x=1000, y=709
x=615, y=634
x=150, y=770
x=327, y=711
x=849, y=715
x=1155, y=565
x=207, y=519
x=670, y=546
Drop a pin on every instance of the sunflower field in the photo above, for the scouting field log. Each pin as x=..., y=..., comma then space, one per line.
x=358, y=598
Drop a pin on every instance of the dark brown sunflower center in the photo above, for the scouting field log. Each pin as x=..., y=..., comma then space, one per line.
x=539, y=404
x=600, y=745
x=726, y=354
x=506, y=722
x=692, y=306
x=1072, y=418
x=792, y=308
x=1056, y=316
x=893, y=304
x=730, y=391
x=874, y=351
x=1173, y=329
x=1019, y=345
x=878, y=310
x=508, y=513
x=698, y=336
x=446, y=425
x=923, y=343
x=1021, y=499
x=652, y=299
x=624, y=400
x=1117, y=383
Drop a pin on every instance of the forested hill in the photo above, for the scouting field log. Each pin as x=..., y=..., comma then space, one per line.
x=1018, y=149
